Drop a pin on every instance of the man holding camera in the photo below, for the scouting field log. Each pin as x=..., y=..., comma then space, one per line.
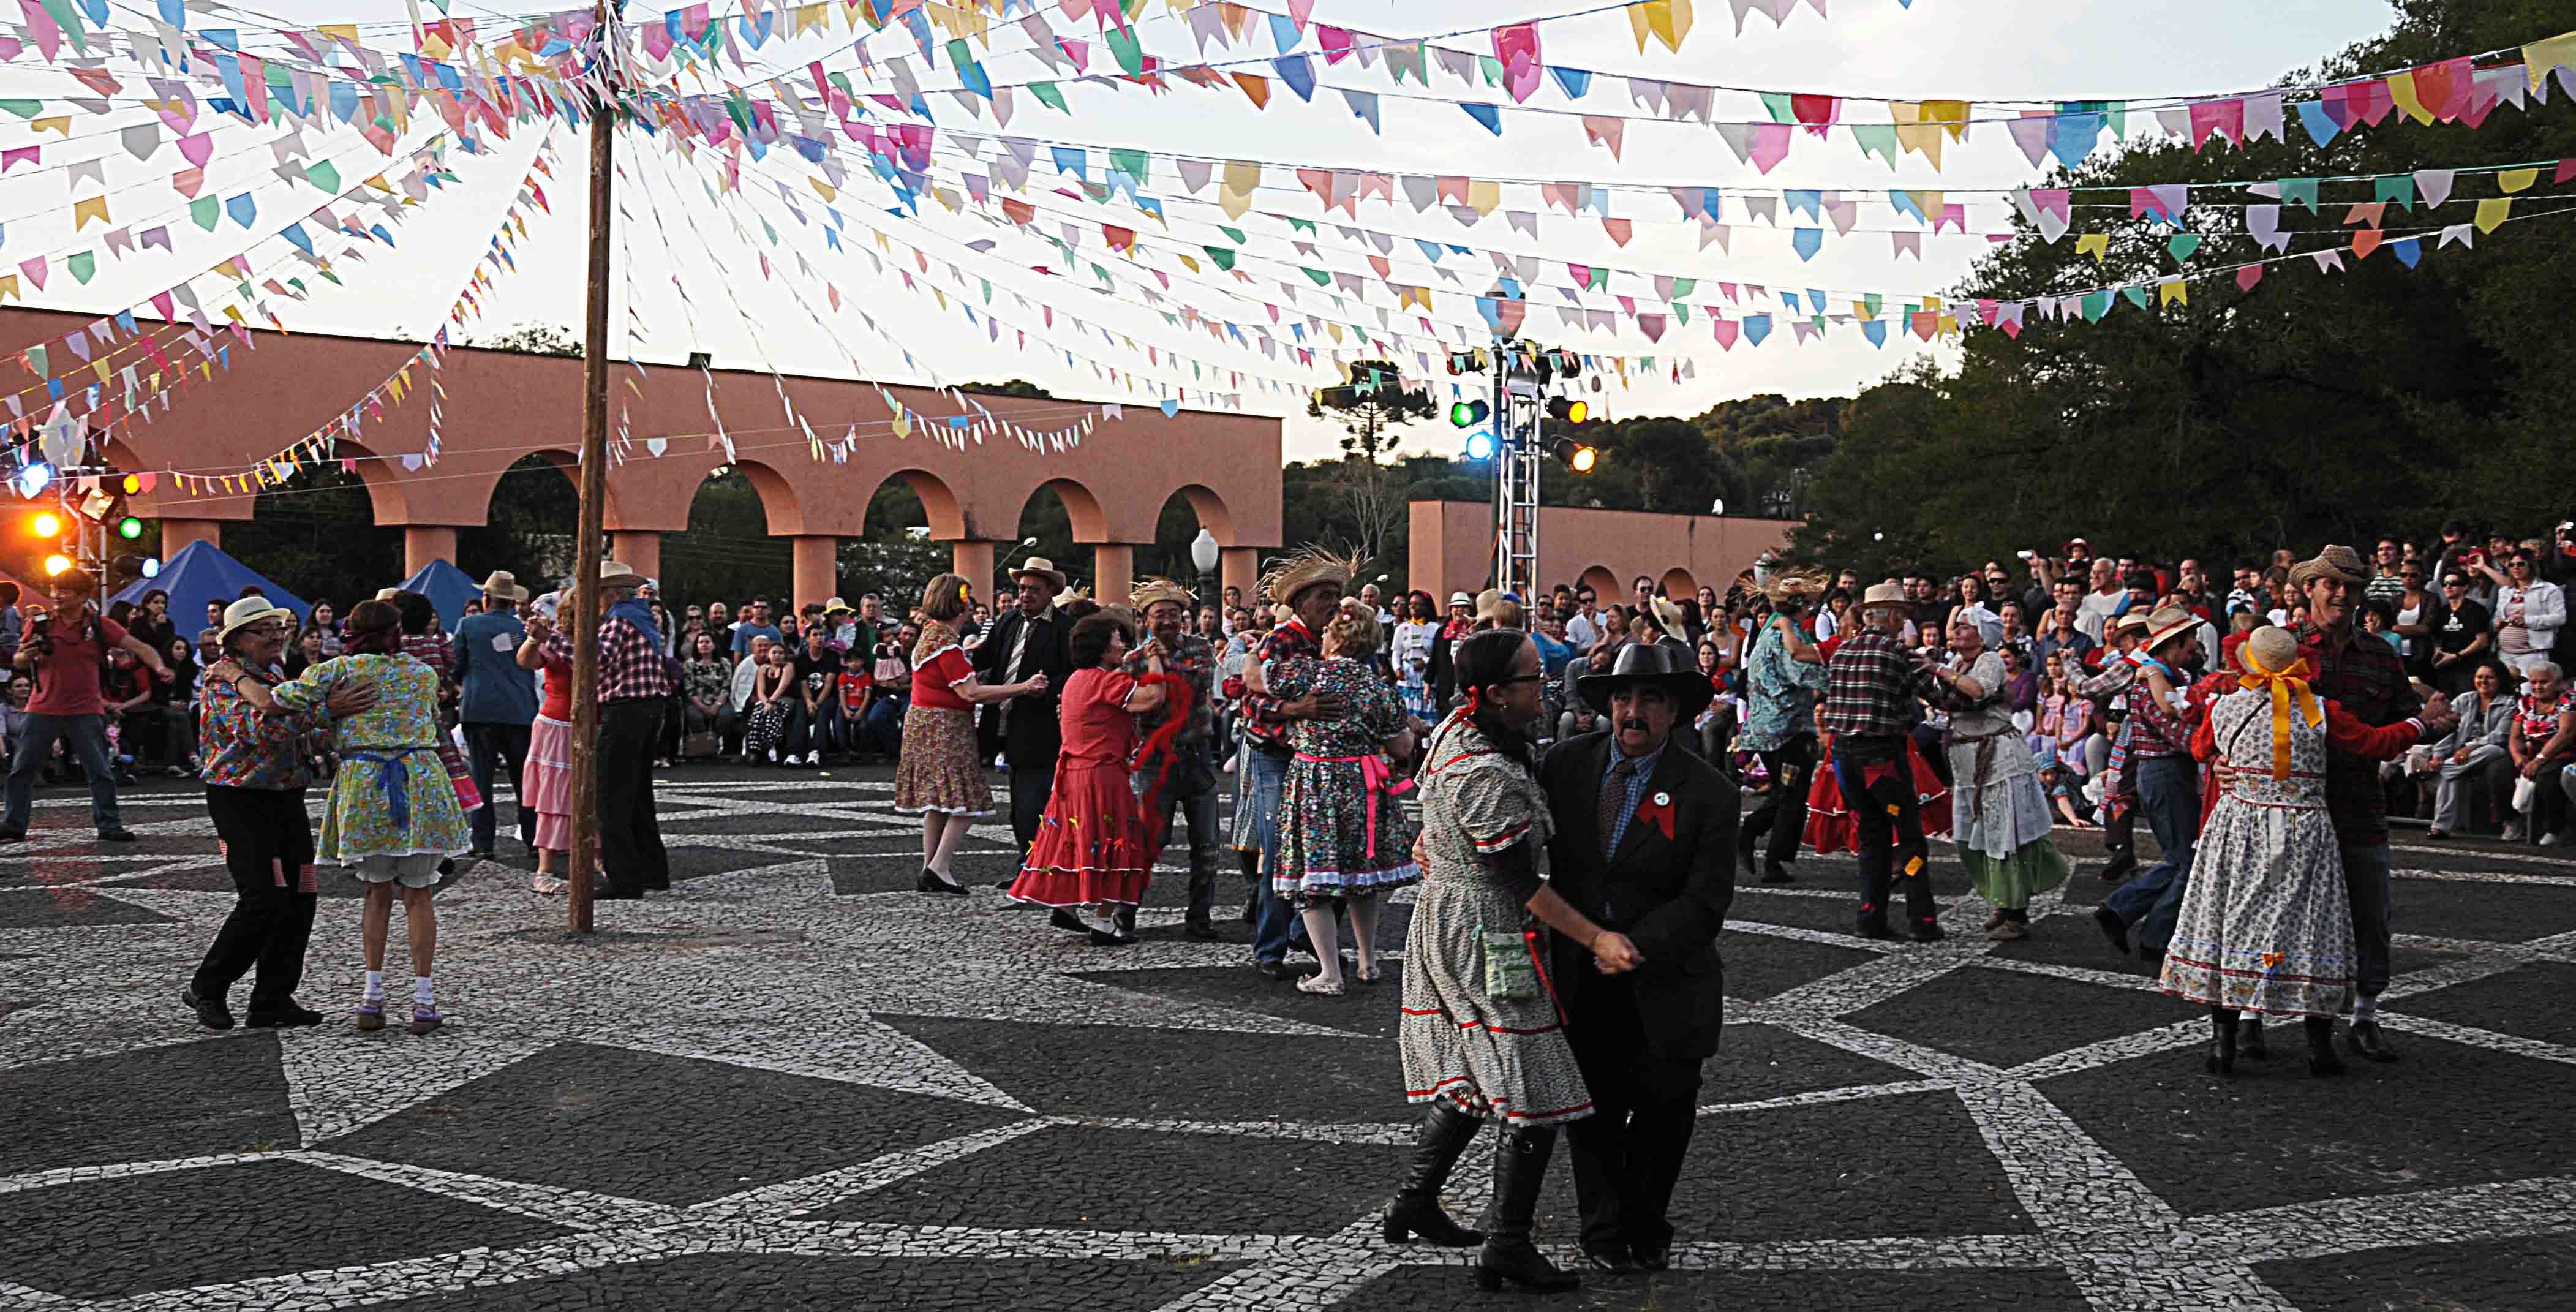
x=68, y=653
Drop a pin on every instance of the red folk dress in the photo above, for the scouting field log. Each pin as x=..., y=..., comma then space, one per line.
x=1091, y=846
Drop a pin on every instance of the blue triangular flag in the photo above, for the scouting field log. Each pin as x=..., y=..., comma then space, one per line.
x=1284, y=33
x=1491, y=117
x=1572, y=81
x=1296, y=72
x=1876, y=331
x=242, y=209
x=1807, y=241
x=2320, y=124
x=2408, y=252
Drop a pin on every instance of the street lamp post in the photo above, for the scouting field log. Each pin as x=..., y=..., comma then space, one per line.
x=1203, y=553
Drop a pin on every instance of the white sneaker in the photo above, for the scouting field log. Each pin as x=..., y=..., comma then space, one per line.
x=2512, y=831
x=813, y=758
x=2553, y=840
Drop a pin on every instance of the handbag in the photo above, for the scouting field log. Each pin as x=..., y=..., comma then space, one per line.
x=703, y=743
x=1511, y=974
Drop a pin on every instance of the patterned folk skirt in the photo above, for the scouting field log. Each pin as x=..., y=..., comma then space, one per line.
x=2266, y=923
x=1091, y=848
x=1490, y=1056
x=938, y=770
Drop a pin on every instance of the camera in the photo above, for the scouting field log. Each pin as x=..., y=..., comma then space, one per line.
x=40, y=632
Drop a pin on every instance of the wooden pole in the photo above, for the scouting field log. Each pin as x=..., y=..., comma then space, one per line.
x=583, y=625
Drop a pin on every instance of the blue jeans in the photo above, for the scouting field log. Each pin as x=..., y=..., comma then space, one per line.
x=1274, y=922
x=88, y=737
x=883, y=728
x=2169, y=799
x=2366, y=883
x=485, y=746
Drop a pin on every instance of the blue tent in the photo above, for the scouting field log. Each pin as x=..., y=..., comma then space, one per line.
x=200, y=573
x=447, y=588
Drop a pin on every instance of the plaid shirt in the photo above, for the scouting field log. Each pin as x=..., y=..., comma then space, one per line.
x=2366, y=676
x=1193, y=658
x=2156, y=729
x=1871, y=685
x=239, y=746
x=629, y=668
x=1261, y=717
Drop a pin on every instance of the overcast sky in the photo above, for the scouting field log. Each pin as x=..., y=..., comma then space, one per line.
x=1955, y=49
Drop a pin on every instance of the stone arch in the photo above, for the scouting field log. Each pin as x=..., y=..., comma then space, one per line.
x=1090, y=524
x=778, y=500
x=1604, y=584
x=939, y=504
x=1212, y=511
x=1679, y=585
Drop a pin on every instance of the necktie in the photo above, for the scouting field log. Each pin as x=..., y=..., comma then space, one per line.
x=1019, y=648
x=1614, y=799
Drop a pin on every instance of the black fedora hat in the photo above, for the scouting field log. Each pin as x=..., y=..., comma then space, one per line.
x=1657, y=663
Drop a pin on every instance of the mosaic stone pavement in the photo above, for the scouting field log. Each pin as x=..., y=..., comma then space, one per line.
x=793, y=1082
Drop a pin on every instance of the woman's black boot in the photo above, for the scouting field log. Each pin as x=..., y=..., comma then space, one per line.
x=2249, y=1040
x=1437, y=1142
x=2222, y=1047
x=1520, y=1169
x=2322, y=1060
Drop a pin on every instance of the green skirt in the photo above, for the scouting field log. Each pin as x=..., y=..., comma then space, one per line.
x=2033, y=868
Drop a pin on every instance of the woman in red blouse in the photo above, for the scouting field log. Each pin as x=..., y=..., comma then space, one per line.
x=939, y=777
x=1092, y=850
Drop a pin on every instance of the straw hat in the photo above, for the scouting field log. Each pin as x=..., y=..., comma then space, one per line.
x=1890, y=593
x=1069, y=596
x=248, y=611
x=617, y=574
x=1306, y=568
x=2168, y=624
x=1668, y=615
x=1461, y=599
x=2133, y=620
x=504, y=585
x=2332, y=561
x=1150, y=590
x=1794, y=587
x=2269, y=650
x=1040, y=567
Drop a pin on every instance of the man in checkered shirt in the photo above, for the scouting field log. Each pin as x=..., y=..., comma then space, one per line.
x=1871, y=687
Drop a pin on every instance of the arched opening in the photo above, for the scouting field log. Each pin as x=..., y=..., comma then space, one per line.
x=1184, y=513
x=320, y=537
x=1063, y=517
x=1604, y=584
x=727, y=554
x=903, y=541
x=532, y=526
x=1678, y=584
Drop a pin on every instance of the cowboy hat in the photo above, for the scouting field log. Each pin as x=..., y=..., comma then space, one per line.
x=1041, y=567
x=2120, y=624
x=2168, y=624
x=836, y=606
x=1661, y=664
x=1890, y=593
x=618, y=574
x=2332, y=561
x=504, y=585
x=248, y=611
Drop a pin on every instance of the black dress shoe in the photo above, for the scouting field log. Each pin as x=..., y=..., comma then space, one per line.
x=211, y=1012
x=13, y=835
x=1652, y=1257
x=930, y=882
x=2113, y=928
x=1775, y=873
x=1872, y=929
x=1278, y=970
x=1101, y=939
x=2365, y=1039
x=1926, y=930
x=1200, y=927
x=285, y=1015
x=120, y=834
x=617, y=895
x=2123, y=863
x=1063, y=919
x=1611, y=1259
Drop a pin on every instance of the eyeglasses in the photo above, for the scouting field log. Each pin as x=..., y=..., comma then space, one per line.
x=1509, y=680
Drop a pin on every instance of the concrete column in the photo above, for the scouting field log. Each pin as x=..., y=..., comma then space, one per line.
x=1113, y=572
x=177, y=533
x=1242, y=568
x=423, y=543
x=972, y=560
x=818, y=570
x=638, y=550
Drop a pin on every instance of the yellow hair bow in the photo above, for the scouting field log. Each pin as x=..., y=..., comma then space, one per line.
x=2286, y=686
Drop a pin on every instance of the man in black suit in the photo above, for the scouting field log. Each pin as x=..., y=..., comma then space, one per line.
x=1030, y=639
x=1644, y=835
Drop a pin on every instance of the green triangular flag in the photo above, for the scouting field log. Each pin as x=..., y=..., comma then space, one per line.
x=1048, y=96
x=2400, y=189
x=324, y=175
x=84, y=266
x=1778, y=103
x=1133, y=163
x=1234, y=235
x=1223, y=256
x=1321, y=277
x=206, y=211
x=1131, y=52
x=2181, y=245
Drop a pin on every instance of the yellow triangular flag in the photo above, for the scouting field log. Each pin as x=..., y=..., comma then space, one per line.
x=2514, y=180
x=2540, y=58
x=2401, y=92
x=2173, y=291
x=96, y=208
x=2095, y=244
x=2492, y=212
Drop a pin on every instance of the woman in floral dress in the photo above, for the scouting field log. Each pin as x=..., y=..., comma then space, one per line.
x=1343, y=837
x=2266, y=926
x=938, y=776
x=1480, y=1034
x=393, y=815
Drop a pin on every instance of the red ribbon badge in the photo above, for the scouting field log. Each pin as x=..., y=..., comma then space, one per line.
x=1657, y=810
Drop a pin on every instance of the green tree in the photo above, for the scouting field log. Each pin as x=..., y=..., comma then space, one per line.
x=1370, y=407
